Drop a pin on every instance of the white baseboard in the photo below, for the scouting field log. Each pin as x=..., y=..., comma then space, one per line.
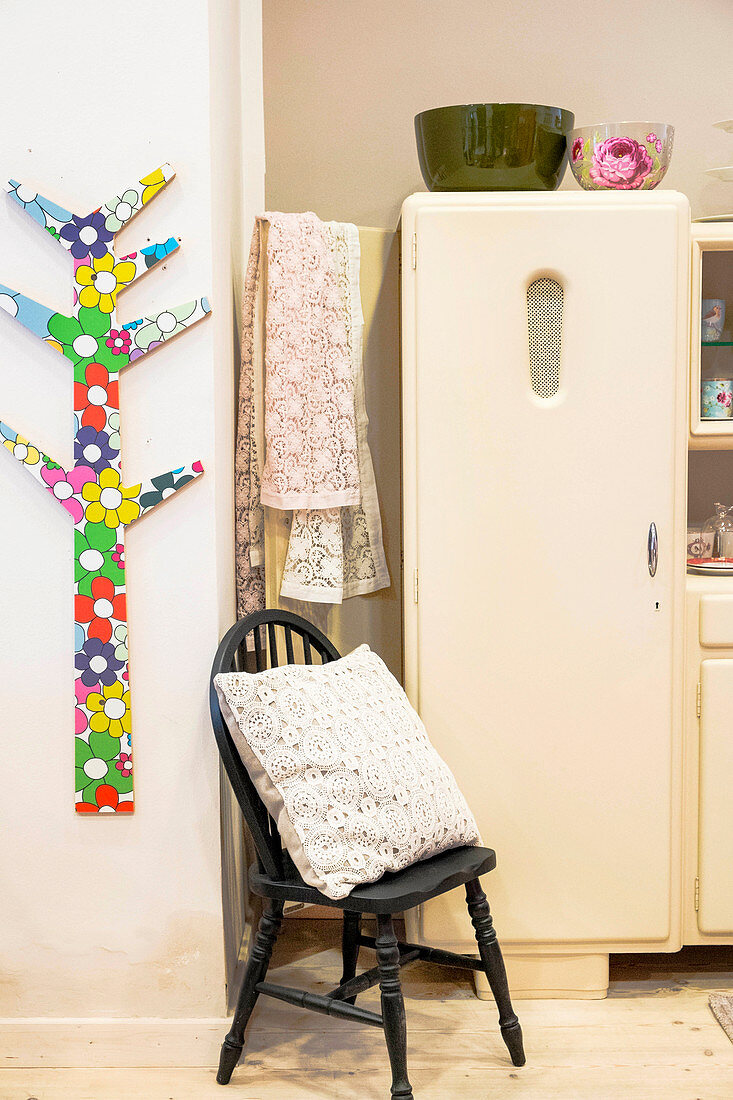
x=64, y=1043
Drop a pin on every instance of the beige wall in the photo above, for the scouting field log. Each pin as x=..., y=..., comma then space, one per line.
x=344, y=78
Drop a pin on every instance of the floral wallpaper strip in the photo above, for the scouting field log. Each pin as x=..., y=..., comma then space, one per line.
x=93, y=491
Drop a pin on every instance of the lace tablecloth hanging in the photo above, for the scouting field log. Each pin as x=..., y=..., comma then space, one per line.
x=335, y=553
x=302, y=428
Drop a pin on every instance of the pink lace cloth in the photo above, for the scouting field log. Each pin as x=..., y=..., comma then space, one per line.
x=310, y=426
x=334, y=553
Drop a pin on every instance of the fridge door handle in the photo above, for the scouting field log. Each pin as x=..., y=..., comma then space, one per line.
x=652, y=549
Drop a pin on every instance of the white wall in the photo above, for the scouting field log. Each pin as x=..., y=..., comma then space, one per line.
x=238, y=162
x=115, y=915
x=343, y=80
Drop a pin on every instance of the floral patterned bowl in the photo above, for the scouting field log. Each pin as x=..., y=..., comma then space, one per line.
x=621, y=156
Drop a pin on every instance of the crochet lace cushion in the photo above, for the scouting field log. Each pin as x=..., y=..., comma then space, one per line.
x=345, y=768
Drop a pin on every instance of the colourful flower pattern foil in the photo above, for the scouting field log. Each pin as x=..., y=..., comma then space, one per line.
x=93, y=491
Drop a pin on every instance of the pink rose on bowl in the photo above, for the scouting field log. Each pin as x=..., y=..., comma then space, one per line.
x=577, y=150
x=620, y=163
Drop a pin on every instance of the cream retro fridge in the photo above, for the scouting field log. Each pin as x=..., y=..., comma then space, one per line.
x=544, y=433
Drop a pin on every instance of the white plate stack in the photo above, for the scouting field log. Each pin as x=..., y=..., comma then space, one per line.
x=725, y=174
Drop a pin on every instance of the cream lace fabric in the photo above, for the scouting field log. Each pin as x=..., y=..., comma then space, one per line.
x=302, y=427
x=337, y=553
x=345, y=768
x=249, y=519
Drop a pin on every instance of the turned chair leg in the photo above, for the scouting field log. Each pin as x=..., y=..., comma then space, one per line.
x=350, y=948
x=393, y=1006
x=488, y=945
x=260, y=953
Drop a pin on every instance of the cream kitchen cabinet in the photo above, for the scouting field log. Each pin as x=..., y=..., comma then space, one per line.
x=545, y=347
x=708, y=893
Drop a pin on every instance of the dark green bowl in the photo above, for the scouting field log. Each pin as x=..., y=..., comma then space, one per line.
x=493, y=146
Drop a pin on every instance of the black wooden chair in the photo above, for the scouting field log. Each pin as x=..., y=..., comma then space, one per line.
x=276, y=879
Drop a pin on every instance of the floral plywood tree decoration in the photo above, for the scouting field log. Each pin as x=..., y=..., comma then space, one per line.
x=92, y=491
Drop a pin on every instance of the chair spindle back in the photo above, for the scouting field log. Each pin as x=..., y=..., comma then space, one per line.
x=252, y=645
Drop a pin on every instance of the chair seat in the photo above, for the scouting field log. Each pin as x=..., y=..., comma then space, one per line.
x=395, y=891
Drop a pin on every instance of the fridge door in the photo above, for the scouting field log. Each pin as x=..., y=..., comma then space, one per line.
x=544, y=473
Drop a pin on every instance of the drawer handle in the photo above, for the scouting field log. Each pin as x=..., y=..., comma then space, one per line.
x=652, y=549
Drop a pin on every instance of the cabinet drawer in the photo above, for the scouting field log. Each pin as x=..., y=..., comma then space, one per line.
x=716, y=620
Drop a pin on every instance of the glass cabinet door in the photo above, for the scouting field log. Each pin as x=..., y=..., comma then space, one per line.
x=711, y=330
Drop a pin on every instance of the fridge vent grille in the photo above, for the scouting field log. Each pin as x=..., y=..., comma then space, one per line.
x=544, y=322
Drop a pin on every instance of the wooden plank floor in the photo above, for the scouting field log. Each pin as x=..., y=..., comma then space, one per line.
x=654, y=1038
